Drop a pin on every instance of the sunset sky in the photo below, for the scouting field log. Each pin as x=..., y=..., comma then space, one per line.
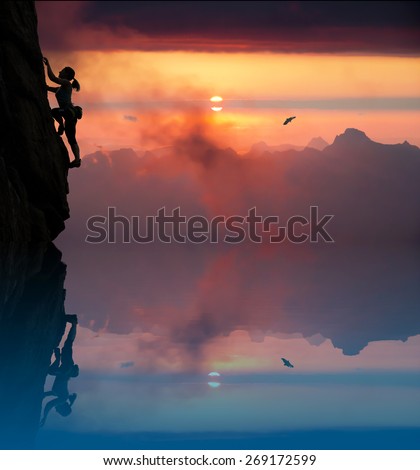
x=147, y=72
x=221, y=280
x=148, y=69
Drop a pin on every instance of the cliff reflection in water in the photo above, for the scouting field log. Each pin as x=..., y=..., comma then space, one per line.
x=32, y=323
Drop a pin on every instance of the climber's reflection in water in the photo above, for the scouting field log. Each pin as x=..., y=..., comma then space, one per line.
x=63, y=368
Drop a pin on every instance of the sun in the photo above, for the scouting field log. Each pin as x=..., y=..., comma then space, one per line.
x=217, y=100
x=214, y=374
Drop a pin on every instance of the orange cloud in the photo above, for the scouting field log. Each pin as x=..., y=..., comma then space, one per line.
x=164, y=90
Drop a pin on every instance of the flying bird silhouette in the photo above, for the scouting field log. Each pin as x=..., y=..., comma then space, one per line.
x=289, y=119
x=287, y=363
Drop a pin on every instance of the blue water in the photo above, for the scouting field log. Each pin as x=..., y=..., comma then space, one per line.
x=154, y=323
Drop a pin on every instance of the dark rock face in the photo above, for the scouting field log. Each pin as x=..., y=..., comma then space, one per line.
x=33, y=208
x=33, y=158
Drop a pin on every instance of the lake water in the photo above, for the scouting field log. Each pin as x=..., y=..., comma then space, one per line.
x=181, y=347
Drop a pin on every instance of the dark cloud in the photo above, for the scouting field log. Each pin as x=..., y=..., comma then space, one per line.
x=360, y=27
x=130, y=118
x=231, y=17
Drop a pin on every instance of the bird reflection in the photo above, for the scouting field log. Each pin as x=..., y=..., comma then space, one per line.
x=287, y=363
x=63, y=368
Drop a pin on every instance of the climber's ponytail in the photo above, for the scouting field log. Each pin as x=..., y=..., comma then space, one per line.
x=70, y=74
x=75, y=84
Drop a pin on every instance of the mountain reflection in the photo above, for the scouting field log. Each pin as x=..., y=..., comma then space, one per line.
x=32, y=318
x=189, y=296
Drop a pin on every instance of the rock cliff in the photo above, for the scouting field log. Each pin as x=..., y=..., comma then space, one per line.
x=33, y=207
x=33, y=158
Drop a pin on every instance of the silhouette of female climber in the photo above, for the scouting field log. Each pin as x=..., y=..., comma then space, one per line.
x=65, y=111
x=63, y=368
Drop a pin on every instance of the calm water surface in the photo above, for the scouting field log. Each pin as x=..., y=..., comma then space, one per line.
x=182, y=347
